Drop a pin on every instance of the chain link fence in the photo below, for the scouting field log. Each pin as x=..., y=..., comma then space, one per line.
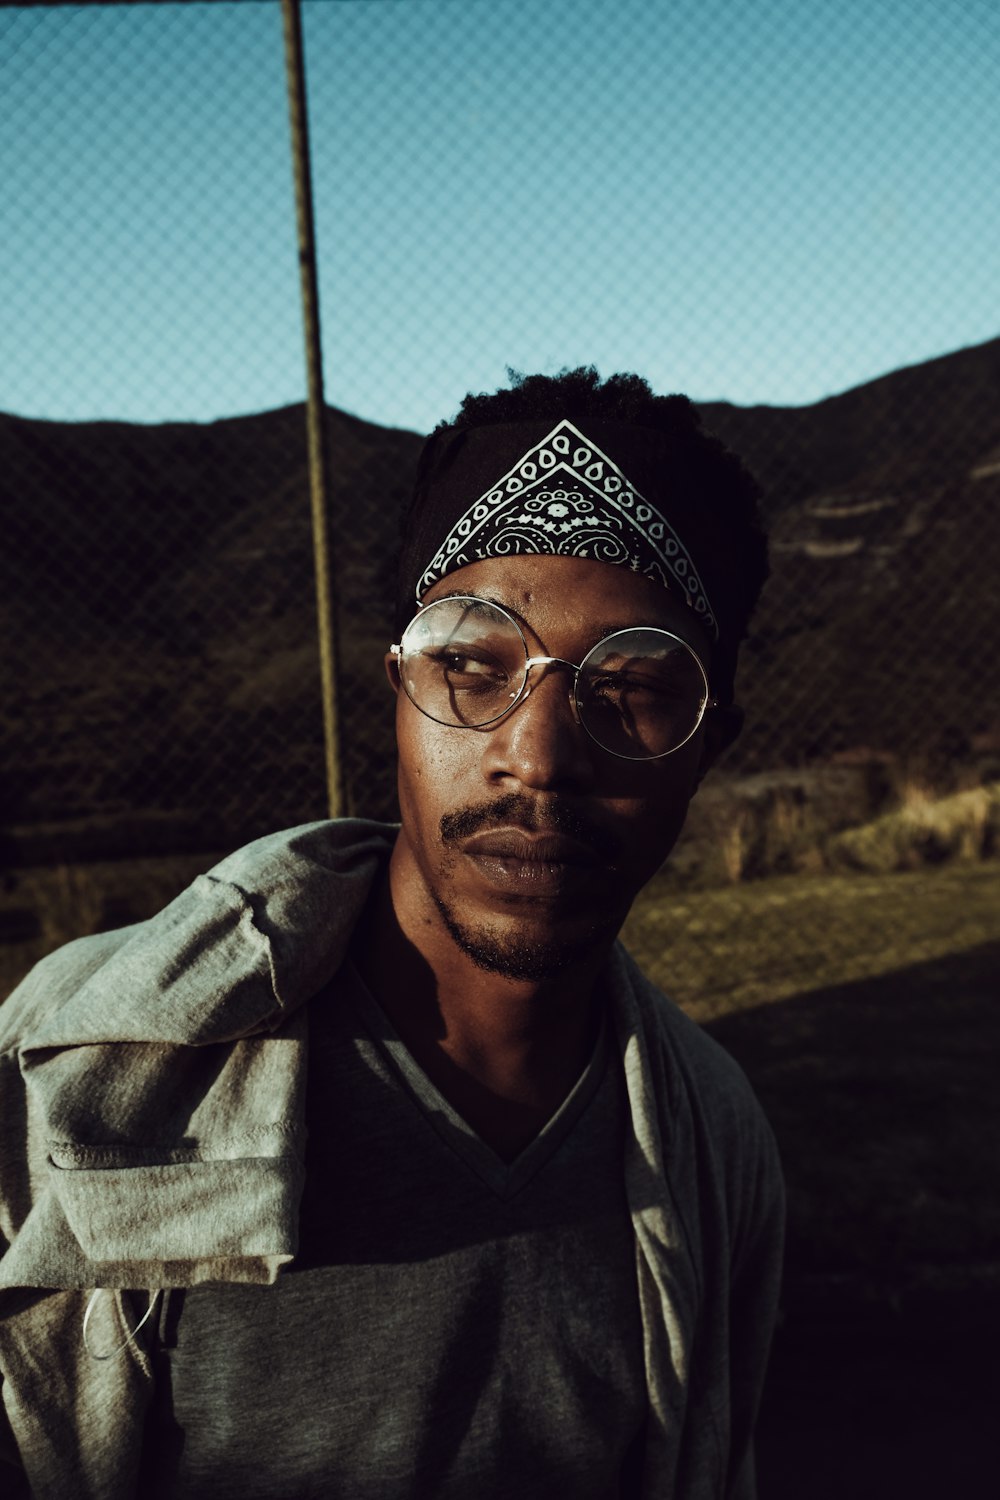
x=161, y=688
x=539, y=187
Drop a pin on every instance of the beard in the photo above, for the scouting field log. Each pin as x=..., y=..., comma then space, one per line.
x=510, y=954
x=516, y=956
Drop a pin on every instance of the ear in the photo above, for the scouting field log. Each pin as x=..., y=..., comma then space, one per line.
x=392, y=671
x=722, y=727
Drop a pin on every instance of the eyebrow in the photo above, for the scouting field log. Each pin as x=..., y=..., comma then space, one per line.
x=469, y=594
x=601, y=631
x=478, y=599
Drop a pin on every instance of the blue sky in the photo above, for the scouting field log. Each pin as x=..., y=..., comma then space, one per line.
x=751, y=202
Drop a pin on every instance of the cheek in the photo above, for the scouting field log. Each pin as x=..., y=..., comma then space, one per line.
x=434, y=762
x=411, y=755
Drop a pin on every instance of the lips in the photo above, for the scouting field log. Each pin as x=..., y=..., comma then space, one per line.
x=531, y=848
x=540, y=863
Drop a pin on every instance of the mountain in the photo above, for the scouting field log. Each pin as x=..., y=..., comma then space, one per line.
x=880, y=627
x=160, y=684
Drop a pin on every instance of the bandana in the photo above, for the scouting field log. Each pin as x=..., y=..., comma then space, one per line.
x=563, y=495
x=617, y=492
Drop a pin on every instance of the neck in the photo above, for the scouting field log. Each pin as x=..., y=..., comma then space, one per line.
x=504, y=1052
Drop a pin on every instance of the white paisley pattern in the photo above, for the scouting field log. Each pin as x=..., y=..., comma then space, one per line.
x=568, y=499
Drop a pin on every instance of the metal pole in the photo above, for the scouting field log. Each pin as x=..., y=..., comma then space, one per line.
x=315, y=409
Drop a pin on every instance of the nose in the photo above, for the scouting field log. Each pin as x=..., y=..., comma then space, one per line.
x=540, y=743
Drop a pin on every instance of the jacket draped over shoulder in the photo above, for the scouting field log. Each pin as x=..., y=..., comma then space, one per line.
x=152, y=1136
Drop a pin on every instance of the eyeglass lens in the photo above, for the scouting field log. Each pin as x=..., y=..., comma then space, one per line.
x=640, y=693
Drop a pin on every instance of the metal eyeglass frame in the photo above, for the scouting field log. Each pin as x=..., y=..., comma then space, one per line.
x=523, y=691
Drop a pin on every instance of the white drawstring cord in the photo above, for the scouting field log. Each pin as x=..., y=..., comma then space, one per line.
x=130, y=1338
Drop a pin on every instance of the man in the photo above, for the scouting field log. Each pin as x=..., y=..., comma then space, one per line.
x=372, y=1167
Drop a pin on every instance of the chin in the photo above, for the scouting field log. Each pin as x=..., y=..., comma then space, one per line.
x=519, y=953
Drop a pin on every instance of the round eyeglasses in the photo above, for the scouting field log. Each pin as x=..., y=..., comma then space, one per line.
x=638, y=693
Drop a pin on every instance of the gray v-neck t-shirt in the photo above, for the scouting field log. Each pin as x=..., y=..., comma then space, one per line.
x=454, y=1326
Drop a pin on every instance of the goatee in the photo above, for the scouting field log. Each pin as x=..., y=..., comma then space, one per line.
x=514, y=956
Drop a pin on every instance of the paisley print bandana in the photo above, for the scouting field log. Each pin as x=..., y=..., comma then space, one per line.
x=566, y=493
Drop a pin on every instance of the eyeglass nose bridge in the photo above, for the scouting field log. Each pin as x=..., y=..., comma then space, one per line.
x=547, y=661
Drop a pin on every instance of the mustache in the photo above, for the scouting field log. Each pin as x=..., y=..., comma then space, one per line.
x=519, y=811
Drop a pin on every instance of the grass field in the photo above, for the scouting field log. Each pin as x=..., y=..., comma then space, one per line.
x=865, y=1010
x=720, y=951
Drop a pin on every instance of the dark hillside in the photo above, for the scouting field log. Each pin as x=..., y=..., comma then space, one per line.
x=158, y=598
x=160, y=679
x=922, y=425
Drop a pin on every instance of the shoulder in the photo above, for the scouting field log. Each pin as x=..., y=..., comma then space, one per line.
x=710, y=1078
x=714, y=1132
x=271, y=917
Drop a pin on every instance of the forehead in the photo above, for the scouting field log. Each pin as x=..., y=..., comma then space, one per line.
x=574, y=596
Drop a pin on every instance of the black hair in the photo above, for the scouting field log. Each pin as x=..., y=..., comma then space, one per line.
x=578, y=395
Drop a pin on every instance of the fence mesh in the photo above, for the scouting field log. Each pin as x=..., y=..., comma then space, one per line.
x=161, y=686
x=768, y=204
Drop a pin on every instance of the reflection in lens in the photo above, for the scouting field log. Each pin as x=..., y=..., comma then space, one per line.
x=462, y=661
x=641, y=693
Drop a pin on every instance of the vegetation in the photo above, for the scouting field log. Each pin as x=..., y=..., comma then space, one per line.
x=717, y=952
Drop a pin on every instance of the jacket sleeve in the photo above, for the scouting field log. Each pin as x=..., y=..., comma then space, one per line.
x=13, y=1187
x=707, y=1197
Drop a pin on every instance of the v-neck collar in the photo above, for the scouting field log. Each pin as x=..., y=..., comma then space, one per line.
x=503, y=1178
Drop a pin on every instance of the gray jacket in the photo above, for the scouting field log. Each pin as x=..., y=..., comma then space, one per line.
x=152, y=1136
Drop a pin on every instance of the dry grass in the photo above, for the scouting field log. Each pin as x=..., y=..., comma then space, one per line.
x=716, y=951
x=922, y=831
x=832, y=818
x=721, y=951
x=778, y=885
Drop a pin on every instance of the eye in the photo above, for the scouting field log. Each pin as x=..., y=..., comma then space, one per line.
x=469, y=668
x=614, y=686
x=648, y=696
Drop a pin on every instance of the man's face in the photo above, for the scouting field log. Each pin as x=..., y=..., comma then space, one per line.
x=524, y=841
